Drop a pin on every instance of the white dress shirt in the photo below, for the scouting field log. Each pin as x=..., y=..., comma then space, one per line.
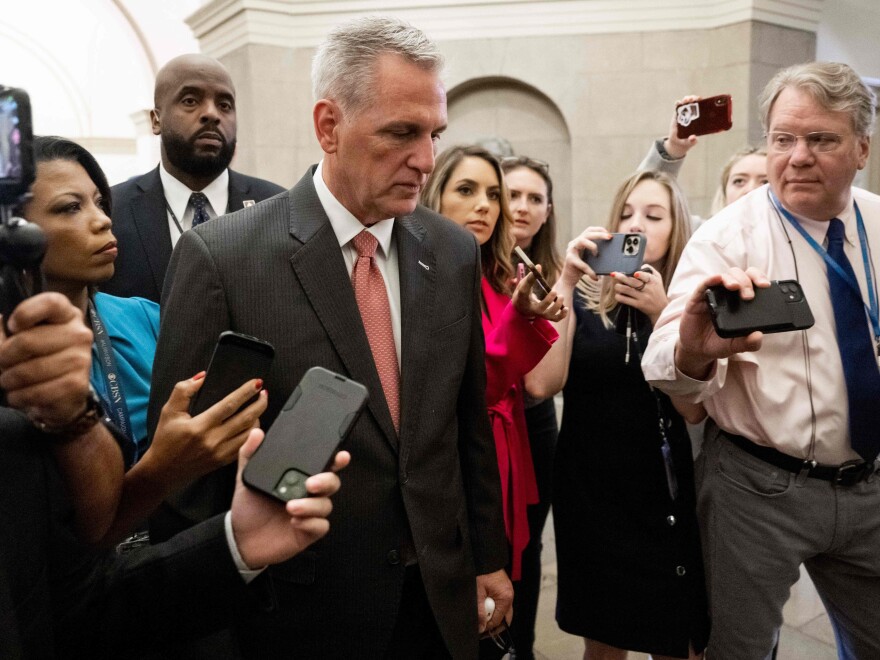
x=346, y=227
x=765, y=396
x=177, y=201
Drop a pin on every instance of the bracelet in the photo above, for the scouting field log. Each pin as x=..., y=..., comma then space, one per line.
x=83, y=422
x=663, y=153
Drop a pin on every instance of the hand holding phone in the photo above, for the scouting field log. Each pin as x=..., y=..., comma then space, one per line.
x=237, y=359
x=781, y=307
x=624, y=253
x=711, y=115
x=304, y=438
x=542, y=287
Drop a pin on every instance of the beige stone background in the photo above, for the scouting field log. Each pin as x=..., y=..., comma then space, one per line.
x=590, y=105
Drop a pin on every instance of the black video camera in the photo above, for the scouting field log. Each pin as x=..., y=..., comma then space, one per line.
x=22, y=244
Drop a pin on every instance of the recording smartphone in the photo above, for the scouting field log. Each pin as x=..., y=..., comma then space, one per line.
x=22, y=243
x=542, y=287
x=624, y=253
x=781, y=307
x=306, y=434
x=16, y=145
x=711, y=115
x=237, y=359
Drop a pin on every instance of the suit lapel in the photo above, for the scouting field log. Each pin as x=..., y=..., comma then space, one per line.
x=238, y=189
x=417, y=267
x=322, y=273
x=150, y=215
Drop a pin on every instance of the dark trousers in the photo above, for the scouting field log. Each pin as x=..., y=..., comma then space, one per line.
x=543, y=431
x=415, y=633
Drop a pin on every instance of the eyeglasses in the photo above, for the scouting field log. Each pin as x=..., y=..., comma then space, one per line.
x=820, y=142
x=509, y=162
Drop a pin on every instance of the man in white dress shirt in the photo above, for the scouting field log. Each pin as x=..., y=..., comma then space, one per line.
x=788, y=472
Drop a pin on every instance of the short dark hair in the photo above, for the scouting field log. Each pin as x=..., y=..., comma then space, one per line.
x=51, y=147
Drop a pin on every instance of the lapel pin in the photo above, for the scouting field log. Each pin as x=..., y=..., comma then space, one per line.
x=424, y=266
x=248, y=202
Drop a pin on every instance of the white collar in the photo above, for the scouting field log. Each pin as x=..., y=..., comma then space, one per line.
x=818, y=229
x=344, y=224
x=177, y=194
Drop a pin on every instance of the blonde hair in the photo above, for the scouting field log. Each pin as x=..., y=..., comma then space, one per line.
x=720, y=199
x=494, y=253
x=599, y=295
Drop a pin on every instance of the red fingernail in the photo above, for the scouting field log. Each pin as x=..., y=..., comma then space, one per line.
x=612, y=275
x=199, y=375
x=637, y=276
x=259, y=384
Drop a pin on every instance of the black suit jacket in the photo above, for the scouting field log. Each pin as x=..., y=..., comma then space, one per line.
x=276, y=271
x=140, y=224
x=61, y=599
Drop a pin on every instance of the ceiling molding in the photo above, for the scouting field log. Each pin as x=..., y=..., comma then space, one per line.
x=222, y=26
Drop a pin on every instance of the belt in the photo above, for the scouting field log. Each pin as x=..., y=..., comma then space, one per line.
x=845, y=475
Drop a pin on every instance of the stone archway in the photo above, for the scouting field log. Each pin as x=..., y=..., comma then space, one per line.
x=508, y=108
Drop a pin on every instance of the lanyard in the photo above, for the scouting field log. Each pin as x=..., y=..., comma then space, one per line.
x=874, y=308
x=113, y=397
x=662, y=423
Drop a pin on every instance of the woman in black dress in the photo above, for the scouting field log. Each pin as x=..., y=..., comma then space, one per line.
x=630, y=570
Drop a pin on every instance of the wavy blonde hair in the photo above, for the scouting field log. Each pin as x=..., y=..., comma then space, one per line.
x=599, y=295
x=494, y=253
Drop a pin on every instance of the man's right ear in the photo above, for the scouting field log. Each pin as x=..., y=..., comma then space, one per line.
x=155, y=124
x=327, y=116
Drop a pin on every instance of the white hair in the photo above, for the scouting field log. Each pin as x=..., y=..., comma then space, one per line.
x=344, y=65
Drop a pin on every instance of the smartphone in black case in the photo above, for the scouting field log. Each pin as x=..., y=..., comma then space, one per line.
x=306, y=434
x=624, y=253
x=237, y=359
x=781, y=307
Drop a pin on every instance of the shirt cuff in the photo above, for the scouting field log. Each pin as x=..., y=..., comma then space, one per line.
x=247, y=574
x=665, y=154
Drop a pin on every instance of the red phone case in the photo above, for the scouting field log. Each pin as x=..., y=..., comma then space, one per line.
x=711, y=115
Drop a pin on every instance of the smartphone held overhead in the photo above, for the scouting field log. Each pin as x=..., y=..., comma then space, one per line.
x=711, y=115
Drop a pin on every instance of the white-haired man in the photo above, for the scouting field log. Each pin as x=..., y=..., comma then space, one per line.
x=788, y=472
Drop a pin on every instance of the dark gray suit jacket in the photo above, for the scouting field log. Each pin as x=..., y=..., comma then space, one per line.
x=275, y=271
x=59, y=599
x=140, y=225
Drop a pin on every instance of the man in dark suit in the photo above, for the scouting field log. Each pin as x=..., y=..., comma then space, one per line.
x=195, y=118
x=59, y=598
x=418, y=537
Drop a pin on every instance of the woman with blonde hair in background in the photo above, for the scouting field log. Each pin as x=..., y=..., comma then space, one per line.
x=627, y=544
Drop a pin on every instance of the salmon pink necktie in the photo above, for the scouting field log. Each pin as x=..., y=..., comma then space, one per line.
x=372, y=299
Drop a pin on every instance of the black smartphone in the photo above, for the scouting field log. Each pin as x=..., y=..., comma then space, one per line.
x=781, y=307
x=237, y=359
x=22, y=243
x=624, y=253
x=17, y=170
x=306, y=434
x=711, y=115
x=542, y=287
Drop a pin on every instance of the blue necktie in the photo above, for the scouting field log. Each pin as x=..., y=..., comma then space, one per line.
x=860, y=368
x=200, y=214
